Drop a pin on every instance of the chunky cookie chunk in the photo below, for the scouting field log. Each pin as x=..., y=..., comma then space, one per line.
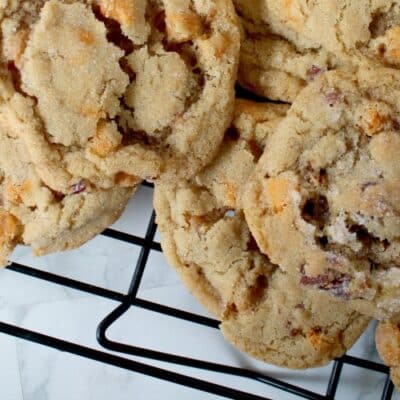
x=324, y=200
x=264, y=311
x=32, y=213
x=387, y=338
x=111, y=90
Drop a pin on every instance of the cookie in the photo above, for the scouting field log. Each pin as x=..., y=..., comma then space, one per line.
x=113, y=90
x=33, y=214
x=387, y=338
x=263, y=310
x=314, y=36
x=272, y=65
x=323, y=202
x=360, y=31
x=294, y=327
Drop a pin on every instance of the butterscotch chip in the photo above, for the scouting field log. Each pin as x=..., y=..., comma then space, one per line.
x=323, y=203
x=130, y=15
x=264, y=311
x=106, y=140
x=9, y=235
x=109, y=87
x=278, y=193
x=182, y=23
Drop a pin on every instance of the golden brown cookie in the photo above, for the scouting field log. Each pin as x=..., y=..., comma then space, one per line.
x=289, y=42
x=33, y=214
x=264, y=311
x=272, y=65
x=354, y=29
x=324, y=199
x=110, y=90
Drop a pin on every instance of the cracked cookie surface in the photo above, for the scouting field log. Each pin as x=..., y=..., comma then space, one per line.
x=30, y=212
x=328, y=183
x=286, y=43
x=264, y=311
x=366, y=29
x=120, y=89
x=272, y=65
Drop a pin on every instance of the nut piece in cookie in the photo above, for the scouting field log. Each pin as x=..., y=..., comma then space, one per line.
x=323, y=203
x=263, y=311
x=109, y=87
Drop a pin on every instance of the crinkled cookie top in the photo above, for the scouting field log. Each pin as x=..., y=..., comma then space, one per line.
x=273, y=65
x=328, y=183
x=264, y=311
x=288, y=42
x=33, y=214
x=370, y=28
x=346, y=28
x=118, y=89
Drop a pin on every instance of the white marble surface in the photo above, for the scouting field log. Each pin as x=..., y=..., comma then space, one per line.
x=32, y=372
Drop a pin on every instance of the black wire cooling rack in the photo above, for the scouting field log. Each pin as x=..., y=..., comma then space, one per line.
x=131, y=299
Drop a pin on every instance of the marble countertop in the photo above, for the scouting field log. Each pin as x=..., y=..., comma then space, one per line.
x=33, y=372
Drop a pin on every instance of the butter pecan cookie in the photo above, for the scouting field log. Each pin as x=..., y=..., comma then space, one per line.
x=33, y=214
x=107, y=90
x=272, y=65
x=264, y=311
x=354, y=29
x=323, y=202
x=296, y=39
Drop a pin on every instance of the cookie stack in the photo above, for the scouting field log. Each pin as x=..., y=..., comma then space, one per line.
x=282, y=218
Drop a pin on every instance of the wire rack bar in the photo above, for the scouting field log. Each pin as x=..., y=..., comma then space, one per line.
x=127, y=364
x=334, y=379
x=67, y=282
x=387, y=390
x=132, y=239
